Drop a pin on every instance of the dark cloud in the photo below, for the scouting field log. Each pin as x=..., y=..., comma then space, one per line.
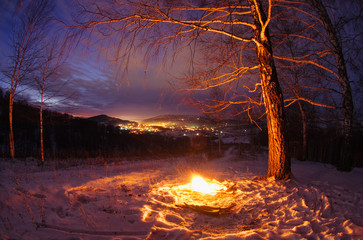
x=89, y=84
x=97, y=90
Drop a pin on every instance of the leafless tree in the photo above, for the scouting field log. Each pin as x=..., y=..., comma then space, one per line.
x=46, y=79
x=314, y=15
x=301, y=81
x=347, y=99
x=28, y=33
x=160, y=24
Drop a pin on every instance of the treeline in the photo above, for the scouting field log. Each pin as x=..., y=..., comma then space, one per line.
x=324, y=138
x=66, y=136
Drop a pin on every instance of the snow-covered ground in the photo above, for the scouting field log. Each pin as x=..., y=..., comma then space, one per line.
x=141, y=199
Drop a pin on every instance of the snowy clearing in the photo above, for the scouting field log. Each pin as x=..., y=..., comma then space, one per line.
x=141, y=199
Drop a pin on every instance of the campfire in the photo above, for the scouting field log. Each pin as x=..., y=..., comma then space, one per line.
x=198, y=184
x=205, y=195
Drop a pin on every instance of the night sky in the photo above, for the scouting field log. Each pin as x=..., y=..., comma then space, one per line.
x=93, y=85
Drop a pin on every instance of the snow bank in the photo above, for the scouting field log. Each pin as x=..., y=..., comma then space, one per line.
x=138, y=200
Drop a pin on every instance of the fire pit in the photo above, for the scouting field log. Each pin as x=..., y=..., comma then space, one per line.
x=201, y=186
x=207, y=196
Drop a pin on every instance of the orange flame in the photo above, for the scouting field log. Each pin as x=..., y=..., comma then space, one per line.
x=200, y=185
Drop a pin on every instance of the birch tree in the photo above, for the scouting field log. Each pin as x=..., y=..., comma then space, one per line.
x=48, y=79
x=303, y=83
x=28, y=32
x=314, y=15
x=46, y=71
x=347, y=99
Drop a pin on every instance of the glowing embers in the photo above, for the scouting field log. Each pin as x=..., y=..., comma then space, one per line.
x=198, y=184
x=205, y=196
x=204, y=188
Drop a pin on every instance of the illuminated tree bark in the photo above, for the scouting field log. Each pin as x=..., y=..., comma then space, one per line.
x=21, y=51
x=54, y=57
x=11, y=130
x=28, y=34
x=187, y=21
x=41, y=111
x=279, y=161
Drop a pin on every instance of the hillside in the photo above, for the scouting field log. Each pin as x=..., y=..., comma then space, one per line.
x=107, y=120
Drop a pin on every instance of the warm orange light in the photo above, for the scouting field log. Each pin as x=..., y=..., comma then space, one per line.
x=200, y=185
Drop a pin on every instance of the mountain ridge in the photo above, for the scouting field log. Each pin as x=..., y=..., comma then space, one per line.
x=107, y=120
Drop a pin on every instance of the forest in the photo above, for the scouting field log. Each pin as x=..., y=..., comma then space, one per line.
x=68, y=137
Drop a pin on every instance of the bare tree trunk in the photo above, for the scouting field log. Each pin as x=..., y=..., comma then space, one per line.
x=41, y=107
x=11, y=131
x=41, y=132
x=346, y=162
x=302, y=111
x=13, y=85
x=32, y=21
x=41, y=113
x=21, y=52
x=279, y=162
x=304, y=133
